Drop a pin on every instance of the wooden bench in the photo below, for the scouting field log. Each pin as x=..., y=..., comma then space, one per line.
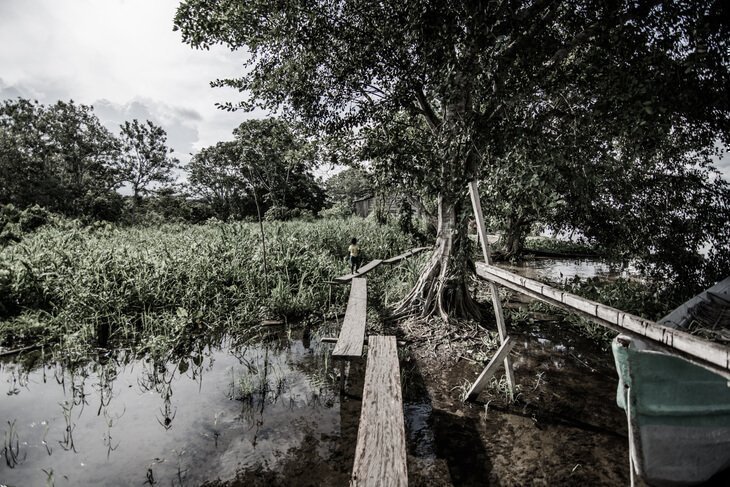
x=380, y=454
x=361, y=271
x=352, y=334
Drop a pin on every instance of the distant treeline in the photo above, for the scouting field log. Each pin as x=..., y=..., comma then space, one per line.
x=61, y=158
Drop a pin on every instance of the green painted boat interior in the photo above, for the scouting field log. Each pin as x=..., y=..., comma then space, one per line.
x=670, y=391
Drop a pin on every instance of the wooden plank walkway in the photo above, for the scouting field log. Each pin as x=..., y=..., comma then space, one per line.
x=363, y=270
x=405, y=255
x=375, y=263
x=712, y=356
x=380, y=454
x=352, y=334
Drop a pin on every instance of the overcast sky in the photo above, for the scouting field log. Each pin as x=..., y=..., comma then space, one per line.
x=122, y=57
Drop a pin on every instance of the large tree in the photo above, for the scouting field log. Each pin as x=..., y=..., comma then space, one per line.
x=267, y=165
x=145, y=158
x=59, y=156
x=482, y=78
x=26, y=172
x=214, y=174
x=276, y=163
x=349, y=185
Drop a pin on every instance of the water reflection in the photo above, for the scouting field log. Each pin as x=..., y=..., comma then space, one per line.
x=125, y=420
x=560, y=270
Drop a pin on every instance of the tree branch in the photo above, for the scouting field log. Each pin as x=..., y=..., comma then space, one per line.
x=432, y=119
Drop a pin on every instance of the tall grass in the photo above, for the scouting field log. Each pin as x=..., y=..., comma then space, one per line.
x=154, y=286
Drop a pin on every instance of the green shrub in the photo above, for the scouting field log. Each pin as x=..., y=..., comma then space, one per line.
x=277, y=213
x=339, y=210
x=135, y=282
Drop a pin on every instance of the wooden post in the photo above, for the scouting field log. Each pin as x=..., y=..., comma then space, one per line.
x=489, y=370
x=493, y=289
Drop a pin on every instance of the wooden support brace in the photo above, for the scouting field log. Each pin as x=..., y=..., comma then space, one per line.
x=490, y=369
x=494, y=290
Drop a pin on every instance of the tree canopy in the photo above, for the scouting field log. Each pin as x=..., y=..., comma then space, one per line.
x=519, y=88
x=267, y=165
x=57, y=156
x=349, y=185
x=145, y=157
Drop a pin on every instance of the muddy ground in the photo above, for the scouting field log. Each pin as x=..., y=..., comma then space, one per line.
x=563, y=428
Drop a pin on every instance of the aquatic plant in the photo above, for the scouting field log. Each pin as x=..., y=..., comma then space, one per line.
x=154, y=288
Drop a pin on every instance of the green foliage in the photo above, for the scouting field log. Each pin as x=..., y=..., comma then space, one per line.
x=559, y=246
x=268, y=165
x=349, y=185
x=339, y=210
x=275, y=162
x=57, y=156
x=277, y=213
x=107, y=286
x=631, y=295
x=144, y=159
x=14, y=223
x=215, y=174
x=634, y=296
x=577, y=114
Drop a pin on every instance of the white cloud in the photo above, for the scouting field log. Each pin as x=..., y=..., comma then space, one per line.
x=723, y=165
x=123, y=57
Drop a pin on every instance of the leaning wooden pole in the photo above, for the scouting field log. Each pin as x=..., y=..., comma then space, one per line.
x=709, y=355
x=493, y=289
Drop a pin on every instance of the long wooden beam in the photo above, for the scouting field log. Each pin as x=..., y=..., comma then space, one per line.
x=360, y=272
x=405, y=255
x=710, y=355
x=375, y=263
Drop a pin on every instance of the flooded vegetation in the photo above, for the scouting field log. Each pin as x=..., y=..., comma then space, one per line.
x=566, y=269
x=125, y=420
x=149, y=287
x=125, y=384
x=270, y=409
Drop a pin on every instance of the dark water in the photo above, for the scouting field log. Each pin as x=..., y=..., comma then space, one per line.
x=209, y=417
x=556, y=270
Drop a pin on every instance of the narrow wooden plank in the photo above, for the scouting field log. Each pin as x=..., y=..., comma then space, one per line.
x=710, y=355
x=496, y=303
x=363, y=270
x=608, y=313
x=405, y=255
x=490, y=369
x=380, y=454
x=352, y=334
x=590, y=307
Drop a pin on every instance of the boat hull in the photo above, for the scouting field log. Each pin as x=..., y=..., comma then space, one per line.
x=678, y=413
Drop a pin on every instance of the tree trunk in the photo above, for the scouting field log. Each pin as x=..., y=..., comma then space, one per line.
x=443, y=287
x=514, y=237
